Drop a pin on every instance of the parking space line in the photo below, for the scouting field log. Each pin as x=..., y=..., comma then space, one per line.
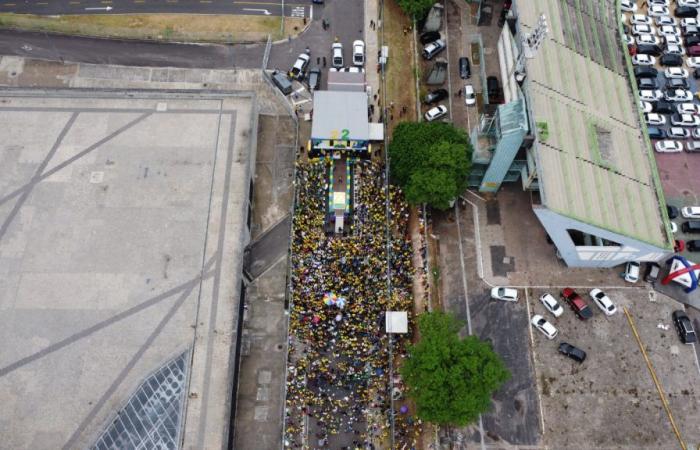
x=659, y=389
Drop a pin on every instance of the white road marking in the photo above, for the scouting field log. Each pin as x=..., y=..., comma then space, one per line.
x=264, y=11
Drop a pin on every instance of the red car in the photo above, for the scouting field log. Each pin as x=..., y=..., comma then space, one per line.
x=577, y=304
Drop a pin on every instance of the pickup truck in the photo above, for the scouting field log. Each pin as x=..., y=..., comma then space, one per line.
x=299, y=68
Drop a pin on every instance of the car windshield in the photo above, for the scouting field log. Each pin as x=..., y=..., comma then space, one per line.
x=541, y=322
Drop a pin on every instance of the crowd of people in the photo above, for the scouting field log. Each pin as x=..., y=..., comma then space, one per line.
x=338, y=374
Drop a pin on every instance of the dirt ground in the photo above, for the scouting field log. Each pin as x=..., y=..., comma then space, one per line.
x=610, y=401
x=160, y=27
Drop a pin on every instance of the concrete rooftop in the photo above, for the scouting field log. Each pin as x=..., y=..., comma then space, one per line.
x=123, y=221
x=595, y=165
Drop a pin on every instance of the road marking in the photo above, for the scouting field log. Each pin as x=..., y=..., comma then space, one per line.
x=534, y=360
x=73, y=3
x=98, y=8
x=266, y=3
x=659, y=389
x=298, y=11
x=41, y=3
x=264, y=11
x=9, y=4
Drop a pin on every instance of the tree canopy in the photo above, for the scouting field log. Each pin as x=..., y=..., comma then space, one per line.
x=451, y=379
x=430, y=161
x=416, y=8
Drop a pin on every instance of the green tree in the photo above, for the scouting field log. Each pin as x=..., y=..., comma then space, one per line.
x=451, y=379
x=416, y=8
x=430, y=161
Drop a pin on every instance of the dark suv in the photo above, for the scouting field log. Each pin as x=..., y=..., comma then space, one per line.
x=693, y=246
x=684, y=327
x=465, y=70
x=572, y=352
x=435, y=96
x=577, y=304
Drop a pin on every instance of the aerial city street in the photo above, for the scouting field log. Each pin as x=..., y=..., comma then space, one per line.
x=350, y=224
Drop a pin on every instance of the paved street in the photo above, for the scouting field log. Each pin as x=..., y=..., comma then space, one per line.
x=294, y=8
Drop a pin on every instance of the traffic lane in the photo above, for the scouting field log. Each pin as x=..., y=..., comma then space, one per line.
x=128, y=53
x=297, y=8
x=346, y=22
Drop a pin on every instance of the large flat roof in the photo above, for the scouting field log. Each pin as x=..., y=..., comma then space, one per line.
x=335, y=111
x=595, y=165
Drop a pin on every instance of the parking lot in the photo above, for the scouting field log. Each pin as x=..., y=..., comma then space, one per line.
x=610, y=400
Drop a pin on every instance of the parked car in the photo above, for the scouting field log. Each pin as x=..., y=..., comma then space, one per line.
x=504, y=293
x=691, y=212
x=314, y=79
x=282, y=82
x=298, y=70
x=669, y=60
x=551, y=305
x=603, y=301
x=689, y=21
x=545, y=327
x=646, y=71
x=663, y=107
x=678, y=95
x=668, y=146
x=643, y=29
x=628, y=5
x=640, y=19
x=435, y=96
x=677, y=133
x=692, y=40
x=685, y=11
x=691, y=226
x=631, y=273
x=693, y=246
x=643, y=60
x=652, y=273
x=646, y=107
x=647, y=83
x=696, y=133
x=690, y=30
x=436, y=113
x=672, y=211
x=696, y=73
x=430, y=36
x=684, y=327
x=358, y=53
x=577, y=304
x=677, y=83
x=672, y=39
x=433, y=48
x=685, y=120
x=688, y=108
x=668, y=29
x=656, y=133
x=469, y=95
x=693, y=62
x=654, y=119
x=650, y=95
x=647, y=39
x=688, y=3
x=337, y=54
x=664, y=20
x=692, y=146
x=675, y=72
x=694, y=50
x=465, y=70
x=572, y=352
x=658, y=10
x=493, y=87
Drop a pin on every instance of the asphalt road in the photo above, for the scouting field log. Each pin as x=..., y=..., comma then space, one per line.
x=344, y=16
x=293, y=8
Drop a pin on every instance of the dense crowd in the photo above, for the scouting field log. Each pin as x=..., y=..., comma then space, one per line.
x=338, y=393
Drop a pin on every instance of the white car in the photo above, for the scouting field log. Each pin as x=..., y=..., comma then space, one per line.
x=641, y=59
x=643, y=29
x=688, y=108
x=603, y=302
x=655, y=119
x=693, y=62
x=648, y=39
x=685, y=120
x=673, y=39
x=469, y=95
x=628, y=5
x=358, y=53
x=690, y=21
x=665, y=20
x=675, y=72
x=646, y=107
x=629, y=40
x=678, y=95
x=436, y=113
x=660, y=2
x=677, y=133
x=673, y=49
x=551, y=305
x=669, y=29
x=668, y=146
x=545, y=327
x=696, y=133
x=691, y=212
x=691, y=3
x=631, y=273
x=658, y=10
x=649, y=95
x=504, y=293
x=337, y=54
x=640, y=19
x=674, y=228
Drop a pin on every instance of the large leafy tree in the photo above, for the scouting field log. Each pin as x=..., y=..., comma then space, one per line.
x=416, y=8
x=430, y=161
x=451, y=379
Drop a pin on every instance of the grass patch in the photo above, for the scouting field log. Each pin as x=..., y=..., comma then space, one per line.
x=159, y=27
x=400, y=83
